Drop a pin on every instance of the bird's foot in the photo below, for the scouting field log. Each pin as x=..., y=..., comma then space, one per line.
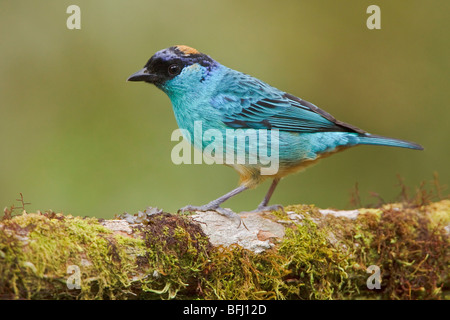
x=274, y=207
x=208, y=207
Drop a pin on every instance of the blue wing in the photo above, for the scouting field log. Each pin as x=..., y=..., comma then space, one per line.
x=246, y=102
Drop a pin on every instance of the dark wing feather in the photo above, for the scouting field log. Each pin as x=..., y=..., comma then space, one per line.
x=247, y=102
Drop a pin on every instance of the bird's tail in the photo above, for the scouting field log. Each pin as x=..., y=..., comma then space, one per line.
x=390, y=142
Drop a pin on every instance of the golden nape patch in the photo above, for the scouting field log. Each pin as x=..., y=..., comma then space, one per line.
x=187, y=50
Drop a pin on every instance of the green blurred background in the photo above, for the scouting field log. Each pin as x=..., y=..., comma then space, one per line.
x=76, y=138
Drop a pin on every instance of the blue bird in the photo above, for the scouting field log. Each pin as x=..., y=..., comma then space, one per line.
x=201, y=89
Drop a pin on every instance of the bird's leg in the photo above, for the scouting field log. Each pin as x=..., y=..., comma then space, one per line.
x=215, y=204
x=263, y=205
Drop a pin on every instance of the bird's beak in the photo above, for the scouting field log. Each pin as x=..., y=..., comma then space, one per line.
x=143, y=75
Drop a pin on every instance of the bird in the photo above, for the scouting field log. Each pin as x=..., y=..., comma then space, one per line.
x=223, y=99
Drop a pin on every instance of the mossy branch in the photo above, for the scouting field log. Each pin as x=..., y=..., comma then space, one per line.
x=303, y=253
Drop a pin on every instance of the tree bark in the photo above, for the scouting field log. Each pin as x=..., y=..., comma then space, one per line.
x=397, y=251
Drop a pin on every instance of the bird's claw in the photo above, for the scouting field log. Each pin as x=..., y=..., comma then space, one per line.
x=274, y=207
x=203, y=208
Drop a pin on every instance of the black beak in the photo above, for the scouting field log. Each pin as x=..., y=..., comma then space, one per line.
x=143, y=75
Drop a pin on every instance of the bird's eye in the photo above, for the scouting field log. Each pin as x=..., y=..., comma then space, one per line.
x=174, y=69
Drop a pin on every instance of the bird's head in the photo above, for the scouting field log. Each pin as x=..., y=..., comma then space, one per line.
x=176, y=70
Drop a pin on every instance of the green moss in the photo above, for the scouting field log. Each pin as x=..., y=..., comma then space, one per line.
x=439, y=212
x=414, y=251
x=236, y=273
x=318, y=269
x=321, y=257
x=38, y=249
x=176, y=251
x=310, y=211
x=304, y=266
x=409, y=243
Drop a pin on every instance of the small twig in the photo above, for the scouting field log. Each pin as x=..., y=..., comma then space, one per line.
x=22, y=202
